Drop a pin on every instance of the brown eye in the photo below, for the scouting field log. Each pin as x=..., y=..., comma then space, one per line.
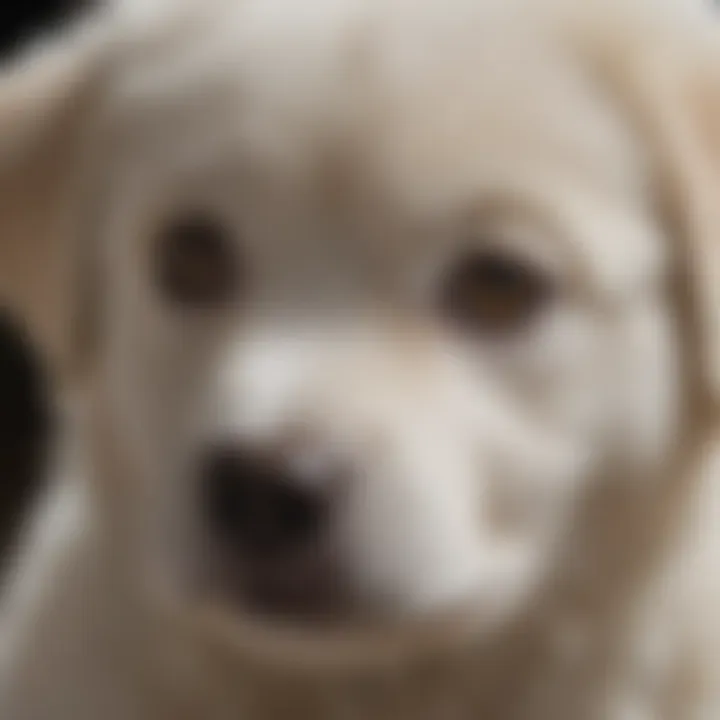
x=196, y=263
x=492, y=292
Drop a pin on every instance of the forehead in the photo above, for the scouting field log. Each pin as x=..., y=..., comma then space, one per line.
x=430, y=109
x=470, y=82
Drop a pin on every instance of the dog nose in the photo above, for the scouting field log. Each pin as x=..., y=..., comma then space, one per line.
x=257, y=505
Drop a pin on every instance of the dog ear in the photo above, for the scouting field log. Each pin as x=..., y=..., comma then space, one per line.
x=46, y=107
x=667, y=74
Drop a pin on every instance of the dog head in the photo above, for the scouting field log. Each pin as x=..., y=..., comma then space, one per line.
x=380, y=294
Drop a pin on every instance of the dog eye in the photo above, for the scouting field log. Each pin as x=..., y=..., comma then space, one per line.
x=196, y=263
x=493, y=293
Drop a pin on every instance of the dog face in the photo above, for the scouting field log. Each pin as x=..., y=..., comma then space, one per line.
x=383, y=298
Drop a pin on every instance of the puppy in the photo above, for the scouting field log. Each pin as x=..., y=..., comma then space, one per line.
x=387, y=335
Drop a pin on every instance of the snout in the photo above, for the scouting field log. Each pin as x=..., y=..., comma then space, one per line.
x=340, y=481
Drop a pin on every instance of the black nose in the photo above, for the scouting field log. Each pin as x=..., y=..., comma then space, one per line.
x=256, y=505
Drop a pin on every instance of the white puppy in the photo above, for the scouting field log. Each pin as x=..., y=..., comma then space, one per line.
x=388, y=333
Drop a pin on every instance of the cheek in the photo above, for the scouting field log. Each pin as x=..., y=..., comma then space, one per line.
x=156, y=392
x=535, y=435
x=560, y=374
x=157, y=358
x=430, y=515
x=594, y=398
x=584, y=374
x=648, y=388
x=157, y=375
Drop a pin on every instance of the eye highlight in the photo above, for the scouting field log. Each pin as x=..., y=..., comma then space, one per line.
x=493, y=292
x=196, y=263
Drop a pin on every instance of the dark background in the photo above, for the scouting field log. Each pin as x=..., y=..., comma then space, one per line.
x=24, y=417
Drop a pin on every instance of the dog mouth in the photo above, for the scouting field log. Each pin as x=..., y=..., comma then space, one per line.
x=312, y=620
x=309, y=604
x=308, y=591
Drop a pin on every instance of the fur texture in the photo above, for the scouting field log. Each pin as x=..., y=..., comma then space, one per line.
x=530, y=527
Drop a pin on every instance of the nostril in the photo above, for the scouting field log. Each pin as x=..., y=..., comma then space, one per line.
x=258, y=507
x=300, y=514
x=226, y=499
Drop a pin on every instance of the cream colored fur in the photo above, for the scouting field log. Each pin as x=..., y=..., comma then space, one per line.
x=354, y=146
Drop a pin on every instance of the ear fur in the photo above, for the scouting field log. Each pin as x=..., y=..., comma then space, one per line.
x=46, y=104
x=664, y=73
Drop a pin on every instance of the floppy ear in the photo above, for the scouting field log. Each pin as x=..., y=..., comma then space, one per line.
x=667, y=75
x=46, y=100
